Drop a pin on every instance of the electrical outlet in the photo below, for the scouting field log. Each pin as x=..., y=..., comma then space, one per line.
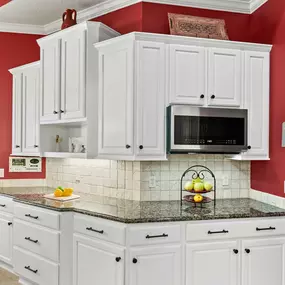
x=225, y=180
x=1, y=172
x=152, y=182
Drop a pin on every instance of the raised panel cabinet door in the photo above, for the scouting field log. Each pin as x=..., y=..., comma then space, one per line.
x=97, y=262
x=115, y=106
x=263, y=261
x=257, y=103
x=31, y=118
x=17, y=114
x=6, y=239
x=187, y=75
x=50, y=81
x=225, y=79
x=155, y=265
x=73, y=74
x=150, y=100
x=213, y=263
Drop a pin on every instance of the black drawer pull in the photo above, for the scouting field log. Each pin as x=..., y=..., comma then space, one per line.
x=93, y=230
x=10, y=224
x=158, y=236
x=30, y=269
x=2, y=205
x=17, y=146
x=266, y=229
x=219, y=232
x=61, y=111
x=35, y=146
x=32, y=240
x=32, y=217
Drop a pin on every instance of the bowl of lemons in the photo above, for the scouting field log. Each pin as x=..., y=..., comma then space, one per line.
x=63, y=192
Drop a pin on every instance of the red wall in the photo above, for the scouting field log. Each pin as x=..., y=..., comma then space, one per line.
x=3, y=2
x=15, y=50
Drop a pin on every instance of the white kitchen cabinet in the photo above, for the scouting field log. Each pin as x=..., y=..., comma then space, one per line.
x=97, y=262
x=73, y=75
x=155, y=265
x=225, y=78
x=6, y=240
x=26, y=122
x=31, y=106
x=263, y=261
x=215, y=262
x=17, y=113
x=187, y=74
x=50, y=81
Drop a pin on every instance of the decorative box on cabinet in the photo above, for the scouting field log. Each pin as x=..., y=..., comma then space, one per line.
x=69, y=67
x=26, y=107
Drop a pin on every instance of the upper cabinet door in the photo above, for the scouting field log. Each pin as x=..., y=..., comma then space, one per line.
x=115, y=112
x=31, y=119
x=150, y=100
x=50, y=81
x=257, y=103
x=73, y=75
x=263, y=261
x=225, y=78
x=187, y=75
x=219, y=258
x=17, y=114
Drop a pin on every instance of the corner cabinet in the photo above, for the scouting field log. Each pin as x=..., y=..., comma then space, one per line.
x=140, y=74
x=26, y=108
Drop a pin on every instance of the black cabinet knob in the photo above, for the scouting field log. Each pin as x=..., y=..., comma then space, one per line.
x=55, y=112
x=118, y=259
x=128, y=146
x=17, y=146
x=202, y=96
x=135, y=260
x=61, y=111
x=10, y=224
x=235, y=251
x=247, y=250
x=141, y=147
x=213, y=97
x=35, y=146
x=249, y=147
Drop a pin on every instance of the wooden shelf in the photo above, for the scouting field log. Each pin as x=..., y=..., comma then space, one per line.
x=64, y=155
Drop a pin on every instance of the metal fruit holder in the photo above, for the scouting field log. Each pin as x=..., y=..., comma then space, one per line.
x=200, y=173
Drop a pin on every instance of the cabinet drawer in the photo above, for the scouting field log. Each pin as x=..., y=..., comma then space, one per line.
x=99, y=228
x=35, y=268
x=154, y=234
x=6, y=205
x=36, y=239
x=37, y=216
x=235, y=229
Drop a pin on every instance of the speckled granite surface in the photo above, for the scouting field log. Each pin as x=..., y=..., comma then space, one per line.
x=126, y=211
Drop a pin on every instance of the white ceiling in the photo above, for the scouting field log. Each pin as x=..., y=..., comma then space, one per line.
x=40, y=12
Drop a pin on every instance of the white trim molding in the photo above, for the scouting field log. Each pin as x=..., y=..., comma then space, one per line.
x=267, y=198
x=238, y=6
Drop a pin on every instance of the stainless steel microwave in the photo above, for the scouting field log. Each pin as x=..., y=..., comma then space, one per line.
x=206, y=130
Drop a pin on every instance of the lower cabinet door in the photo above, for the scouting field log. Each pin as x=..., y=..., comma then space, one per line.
x=6, y=239
x=215, y=263
x=97, y=262
x=155, y=266
x=263, y=261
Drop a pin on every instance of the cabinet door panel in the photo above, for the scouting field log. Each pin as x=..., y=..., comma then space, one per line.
x=5, y=239
x=73, y=74
x=212, y=263
x=155, y=265
x=95, y=263
x=224, y=77
x=50, y=81
x=257, y=103
x=150, y=107
x=187, y=74
x=31, y=120
x=17, y=114
x=116, y=101
x=264, y=264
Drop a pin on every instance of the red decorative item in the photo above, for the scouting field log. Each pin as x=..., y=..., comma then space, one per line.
x=69, y=18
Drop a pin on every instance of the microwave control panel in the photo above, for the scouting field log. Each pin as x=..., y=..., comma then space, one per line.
x=25, y=164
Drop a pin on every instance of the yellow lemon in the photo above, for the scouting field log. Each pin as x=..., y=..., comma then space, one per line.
x=198, y=198
x=67, y=192
x=58, y=193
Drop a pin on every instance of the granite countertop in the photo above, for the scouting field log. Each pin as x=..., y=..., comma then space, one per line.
x=126, y=211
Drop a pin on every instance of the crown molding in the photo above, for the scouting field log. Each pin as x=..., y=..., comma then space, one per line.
x=238, y=6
